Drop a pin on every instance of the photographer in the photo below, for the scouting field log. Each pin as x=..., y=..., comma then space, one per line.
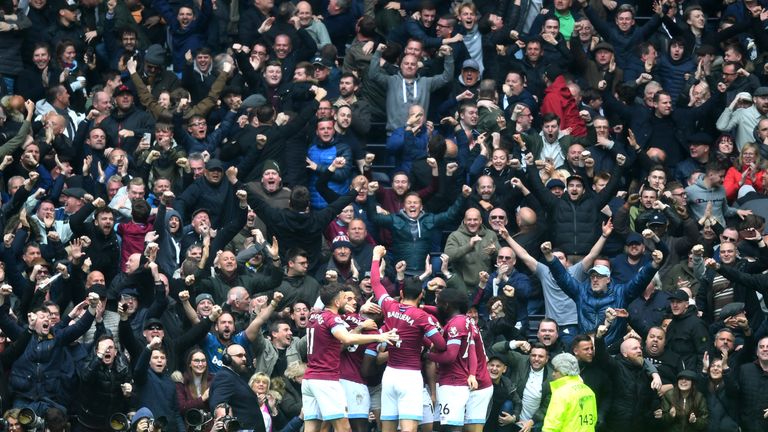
x=105, y=386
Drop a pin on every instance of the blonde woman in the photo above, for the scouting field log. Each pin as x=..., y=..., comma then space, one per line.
x=748, y=170
x=260, y=384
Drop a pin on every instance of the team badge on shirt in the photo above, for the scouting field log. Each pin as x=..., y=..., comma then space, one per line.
x=453, y=332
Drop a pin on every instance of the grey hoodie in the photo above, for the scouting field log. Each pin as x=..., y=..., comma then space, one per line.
x=699, y=195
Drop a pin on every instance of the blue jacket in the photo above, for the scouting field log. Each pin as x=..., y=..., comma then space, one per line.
x=191, y=38
x=158, y=393
x=591, y=306
x=44, y=368
x=623, y=43
x=405, y=147
x=323, y=155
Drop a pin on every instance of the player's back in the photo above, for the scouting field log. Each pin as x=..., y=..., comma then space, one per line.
x=323, y=349
x=457, y=332
x=483, y=377
x=412, y=325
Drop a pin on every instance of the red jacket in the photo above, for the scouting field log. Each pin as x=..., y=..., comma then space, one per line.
x=559, y=100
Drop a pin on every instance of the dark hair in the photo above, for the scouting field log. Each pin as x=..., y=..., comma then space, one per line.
x=189, y=376
x=715, y=165
x=355, y=79
x=548, y=320
x=299, y=200
x=329, y=292
x=455, y=299
x=265, y=113
x=548, y=117
x=294, y=253
x=580, y=338
x=367, y=27
x=274, y=325
x=412, y=288
x=140, y=210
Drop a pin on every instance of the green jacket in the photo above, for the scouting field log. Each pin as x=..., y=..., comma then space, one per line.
x=468, y=260
x=572, y=406
x=412, y=237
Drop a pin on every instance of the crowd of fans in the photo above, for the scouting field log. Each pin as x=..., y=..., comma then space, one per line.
x=189, y=186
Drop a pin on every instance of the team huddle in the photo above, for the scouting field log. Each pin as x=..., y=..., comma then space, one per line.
x=334, y=388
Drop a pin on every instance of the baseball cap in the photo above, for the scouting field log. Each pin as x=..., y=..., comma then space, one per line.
x=731, y=309
x=633, y=238
x=657, y=219
x=74, y=192
x=470, y=64
x=601, y=270
x=322, y=61
x=153, y=322
x=122, y=89
x=553, y=183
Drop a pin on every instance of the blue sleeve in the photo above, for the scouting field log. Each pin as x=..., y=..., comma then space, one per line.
x=343, y=174
x=632, y=289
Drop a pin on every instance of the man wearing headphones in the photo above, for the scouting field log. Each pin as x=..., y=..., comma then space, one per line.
x=230, y=387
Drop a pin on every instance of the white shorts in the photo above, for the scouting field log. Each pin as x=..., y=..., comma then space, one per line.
x=428, y=415
x=323, y=400
x=451, y=403
x=477, y=406
x=401, y=394
x=375, y=393
x=358, y=399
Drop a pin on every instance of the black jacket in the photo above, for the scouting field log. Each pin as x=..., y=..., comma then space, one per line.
x=578, y=222
x=633, y=400
x=299, y=229
x=101, y=395
x=136, y=120
x=688, y=337
x=104, y=250
x=233, y=389
x=749, y=386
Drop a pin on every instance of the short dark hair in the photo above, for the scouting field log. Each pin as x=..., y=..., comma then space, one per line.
x=329, y=292
x=275, y=325
x=412, y=288
x=294, y=253
x=548, y=117
x=455, y=299
x=299, y=200
x=140, y=210
x=580, y=338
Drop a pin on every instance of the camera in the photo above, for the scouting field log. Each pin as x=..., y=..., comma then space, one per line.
x=196, y=418
x=231, y=423
x=119, y=422
x=160, y=424
x=30, y=421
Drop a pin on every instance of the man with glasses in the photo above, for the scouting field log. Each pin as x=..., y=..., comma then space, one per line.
x=230, y=387
x=498, y=282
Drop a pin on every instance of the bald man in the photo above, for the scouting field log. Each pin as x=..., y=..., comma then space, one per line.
x=635, y=404
x=471, y=248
